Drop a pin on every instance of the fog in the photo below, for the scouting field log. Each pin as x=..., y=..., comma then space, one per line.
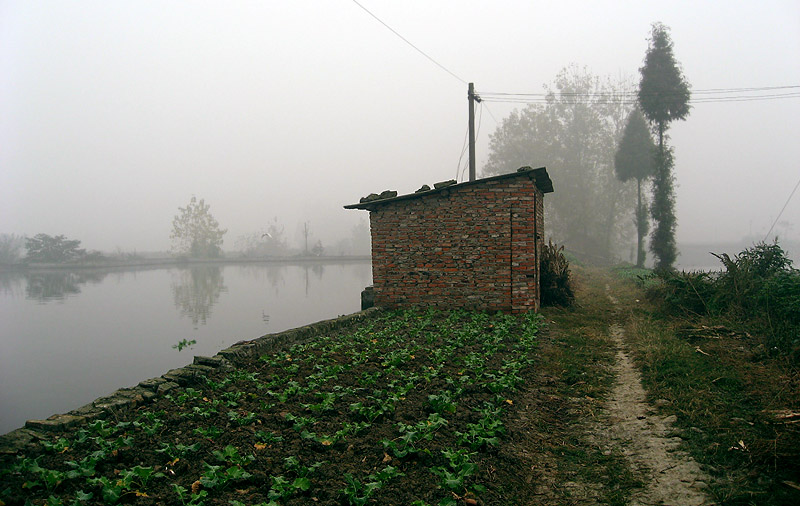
x=113, y=114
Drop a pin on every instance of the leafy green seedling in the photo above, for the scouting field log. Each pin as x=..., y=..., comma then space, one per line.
x=58, y=446
x=110, y=490
x=267, y=437
x=138, y=476
x=282, y=488
x=245, y=418
x=86, y=468
x=209, y=432
x=188, y=499
x=459, y=468
x=175, y=451
x=230, y=455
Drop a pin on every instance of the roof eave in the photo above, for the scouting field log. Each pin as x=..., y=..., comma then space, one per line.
x=539, y=176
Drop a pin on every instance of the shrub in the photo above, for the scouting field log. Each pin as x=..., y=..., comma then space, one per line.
x=684, y=292
x=556, y=283
x=758, y=286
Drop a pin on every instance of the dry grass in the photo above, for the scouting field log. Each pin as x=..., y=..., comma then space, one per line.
x=732, y=398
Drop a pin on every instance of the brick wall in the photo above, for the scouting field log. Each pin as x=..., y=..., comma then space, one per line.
x=472, y=245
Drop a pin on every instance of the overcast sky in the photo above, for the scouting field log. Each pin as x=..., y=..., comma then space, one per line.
x=114, y=113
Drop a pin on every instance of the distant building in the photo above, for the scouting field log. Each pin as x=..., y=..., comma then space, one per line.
x=472, y=245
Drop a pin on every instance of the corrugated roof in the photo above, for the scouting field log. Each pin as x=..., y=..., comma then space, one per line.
x=539, y=176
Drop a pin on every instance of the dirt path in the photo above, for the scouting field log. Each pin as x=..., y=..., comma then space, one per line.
x=631, y=424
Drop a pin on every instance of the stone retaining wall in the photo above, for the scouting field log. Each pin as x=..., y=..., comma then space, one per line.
x=149, y=389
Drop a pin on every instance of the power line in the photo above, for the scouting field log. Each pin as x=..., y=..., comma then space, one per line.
x=635, y=93
x=463, y=150
x=420, y=51
x=631, y=97
x=634, y=102
x=782, y=210
x=513, y=144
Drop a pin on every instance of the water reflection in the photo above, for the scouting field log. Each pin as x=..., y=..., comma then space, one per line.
x=273, y=274
x=195, y=291
x=46, y=287
x=12, y=284
x=317, y=269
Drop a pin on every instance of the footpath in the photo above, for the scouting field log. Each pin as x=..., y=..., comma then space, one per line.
x=633, y=425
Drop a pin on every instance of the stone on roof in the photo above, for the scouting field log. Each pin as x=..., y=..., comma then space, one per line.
x=539, y=176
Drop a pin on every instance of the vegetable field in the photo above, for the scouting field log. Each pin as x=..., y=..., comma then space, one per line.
x=404, y=408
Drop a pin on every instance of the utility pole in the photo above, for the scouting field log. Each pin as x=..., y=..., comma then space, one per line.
x=472, y=98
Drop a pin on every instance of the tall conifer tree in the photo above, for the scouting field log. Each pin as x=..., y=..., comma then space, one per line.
x=635, y=159
x=664, y=97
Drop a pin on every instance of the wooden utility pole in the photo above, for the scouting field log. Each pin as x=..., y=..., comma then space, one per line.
x=471, y=98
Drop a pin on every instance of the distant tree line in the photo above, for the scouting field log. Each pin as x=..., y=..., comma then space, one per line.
x=195, y=234
x=44, y=248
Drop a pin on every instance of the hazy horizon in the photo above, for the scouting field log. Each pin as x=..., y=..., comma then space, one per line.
x=115, y=114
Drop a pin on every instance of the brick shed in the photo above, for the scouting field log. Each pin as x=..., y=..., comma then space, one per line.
x=474, y=245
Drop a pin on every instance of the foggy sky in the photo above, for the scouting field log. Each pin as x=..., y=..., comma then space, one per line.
x=113, y=114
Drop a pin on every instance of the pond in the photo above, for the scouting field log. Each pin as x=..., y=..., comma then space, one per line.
x=67, y=338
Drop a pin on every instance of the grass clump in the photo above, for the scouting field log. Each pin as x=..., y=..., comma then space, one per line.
x=758, y=288
x=556, y=284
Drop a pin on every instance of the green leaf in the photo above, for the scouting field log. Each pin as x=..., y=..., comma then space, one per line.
x=302, y=483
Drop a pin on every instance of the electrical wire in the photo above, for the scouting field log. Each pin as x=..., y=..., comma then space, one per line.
x=463, y=150
x=782, y=210
x=631, y=97
x=636, y=93
x=420, y=51
x=512, y=144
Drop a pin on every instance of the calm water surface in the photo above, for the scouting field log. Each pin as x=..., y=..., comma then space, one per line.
x=67, y=338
